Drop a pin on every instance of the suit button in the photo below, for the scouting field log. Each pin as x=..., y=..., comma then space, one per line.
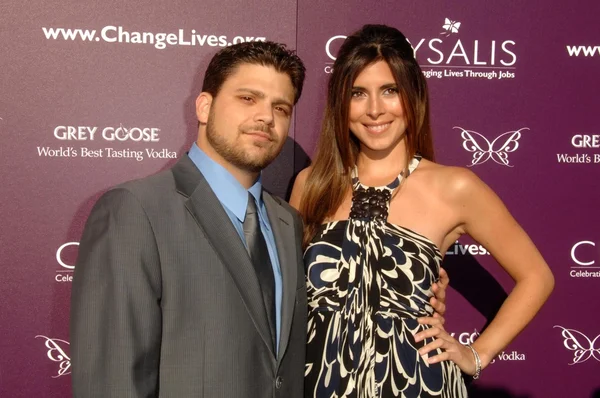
x=278, y=382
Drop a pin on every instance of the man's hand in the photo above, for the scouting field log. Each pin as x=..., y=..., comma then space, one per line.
x=438, y=301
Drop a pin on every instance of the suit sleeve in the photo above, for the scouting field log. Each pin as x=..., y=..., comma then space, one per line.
x=115, y=325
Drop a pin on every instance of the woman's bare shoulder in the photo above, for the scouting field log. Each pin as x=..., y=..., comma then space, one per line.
x=303, y=175
x=298, y=188
x=450, y=181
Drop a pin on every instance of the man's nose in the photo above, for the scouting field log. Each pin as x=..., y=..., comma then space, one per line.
x=264, y=114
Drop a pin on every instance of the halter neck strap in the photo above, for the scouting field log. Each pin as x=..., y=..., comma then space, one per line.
x=412, y=165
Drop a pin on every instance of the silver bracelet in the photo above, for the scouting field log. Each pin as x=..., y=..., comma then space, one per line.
x=477, y=362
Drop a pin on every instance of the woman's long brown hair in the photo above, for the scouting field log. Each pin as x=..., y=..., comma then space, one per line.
x=337, y=148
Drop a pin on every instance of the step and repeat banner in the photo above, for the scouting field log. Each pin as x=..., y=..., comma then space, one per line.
x=96, y=93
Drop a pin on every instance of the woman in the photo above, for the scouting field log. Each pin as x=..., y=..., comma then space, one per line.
x=379, y=214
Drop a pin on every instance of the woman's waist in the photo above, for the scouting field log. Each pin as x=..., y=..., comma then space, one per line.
x=388, y=310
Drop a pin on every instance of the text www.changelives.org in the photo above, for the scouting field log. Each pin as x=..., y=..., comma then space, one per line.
x=587, y=51
x=118, y=34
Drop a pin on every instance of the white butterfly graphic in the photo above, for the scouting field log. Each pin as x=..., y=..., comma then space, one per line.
x=582, y=346
x=484, y=150
x=57, y=354
x=450, y=27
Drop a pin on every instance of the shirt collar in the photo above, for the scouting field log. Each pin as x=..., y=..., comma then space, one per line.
x=228, y=190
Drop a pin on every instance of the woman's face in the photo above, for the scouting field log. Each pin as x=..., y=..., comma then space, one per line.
x=376, y=114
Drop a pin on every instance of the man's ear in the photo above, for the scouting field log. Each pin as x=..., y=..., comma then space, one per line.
x=203, y=104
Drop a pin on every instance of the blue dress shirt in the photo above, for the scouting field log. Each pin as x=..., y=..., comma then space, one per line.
x=234, y=199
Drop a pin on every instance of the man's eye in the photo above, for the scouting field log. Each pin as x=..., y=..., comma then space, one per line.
x=282, y=110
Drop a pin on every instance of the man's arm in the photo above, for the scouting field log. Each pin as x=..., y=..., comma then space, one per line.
x=115, y=326
x=438, y=301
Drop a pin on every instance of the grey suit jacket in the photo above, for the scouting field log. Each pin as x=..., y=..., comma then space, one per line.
x=165, y=301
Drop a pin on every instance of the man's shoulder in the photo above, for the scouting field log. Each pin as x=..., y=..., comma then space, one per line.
x=147, y=192
x=152, y=184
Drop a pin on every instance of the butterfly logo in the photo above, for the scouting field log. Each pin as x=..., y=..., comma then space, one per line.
x=56, y=352
x=582, y=347
x=484, y=150
x=450, y=27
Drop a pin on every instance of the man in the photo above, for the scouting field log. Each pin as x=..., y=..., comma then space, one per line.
x=166, y=300
x=190, y=283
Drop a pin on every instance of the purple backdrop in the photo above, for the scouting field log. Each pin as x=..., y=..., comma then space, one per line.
x=513, y=95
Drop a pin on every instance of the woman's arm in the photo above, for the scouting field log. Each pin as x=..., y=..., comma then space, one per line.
x=484, y=217
x=487, y=220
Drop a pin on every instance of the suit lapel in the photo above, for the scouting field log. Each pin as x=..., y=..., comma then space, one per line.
x=282, y=223
x=208, y=212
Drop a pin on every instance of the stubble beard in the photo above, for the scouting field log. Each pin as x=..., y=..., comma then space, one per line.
x=236, y=155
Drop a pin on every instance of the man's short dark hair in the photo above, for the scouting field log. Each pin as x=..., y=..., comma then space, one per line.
x=265, y=53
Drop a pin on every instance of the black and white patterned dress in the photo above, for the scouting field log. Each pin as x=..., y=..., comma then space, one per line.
x=368, y=282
